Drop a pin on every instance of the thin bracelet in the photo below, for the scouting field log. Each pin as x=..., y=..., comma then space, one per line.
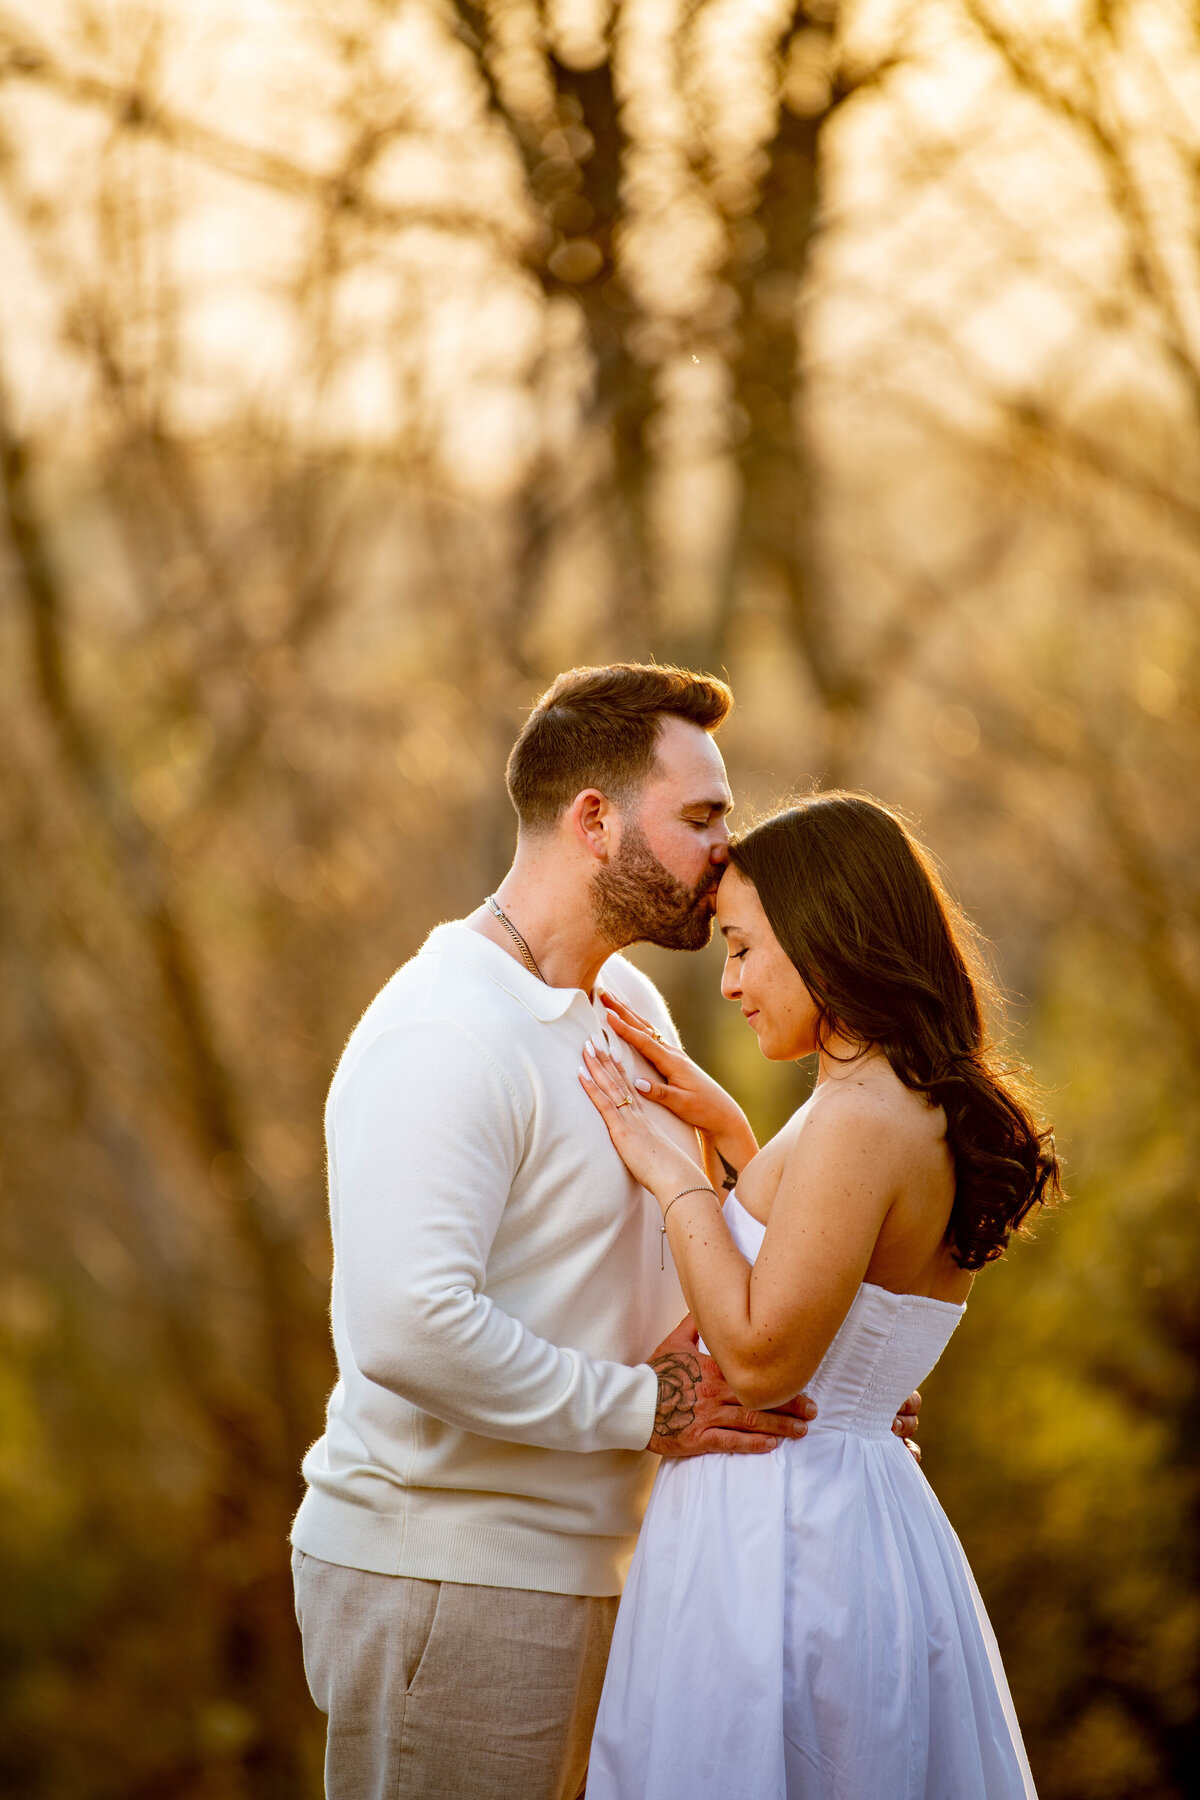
x=662, y=1245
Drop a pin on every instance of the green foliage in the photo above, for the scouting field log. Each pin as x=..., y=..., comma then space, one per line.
x=1060, y=1432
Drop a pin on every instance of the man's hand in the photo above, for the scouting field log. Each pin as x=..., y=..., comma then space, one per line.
x=698, y=1411
x=905, y=1424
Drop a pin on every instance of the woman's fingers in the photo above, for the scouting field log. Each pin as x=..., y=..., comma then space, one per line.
x=643, y=1040
x=666, y=1063
x=599, y=1099
x=624, y=1017
x=653, y=1090
x=626, y=1012
x=625, y=1020
x=603, y=1071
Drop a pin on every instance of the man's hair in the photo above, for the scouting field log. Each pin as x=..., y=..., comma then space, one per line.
x=598, y=728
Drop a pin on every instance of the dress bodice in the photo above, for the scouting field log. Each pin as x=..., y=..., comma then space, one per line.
x=884, y=1348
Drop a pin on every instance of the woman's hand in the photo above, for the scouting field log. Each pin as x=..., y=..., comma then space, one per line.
x=650, y=1156
x=684, y=1089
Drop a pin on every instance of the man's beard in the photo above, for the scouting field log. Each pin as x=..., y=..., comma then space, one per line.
x=635, y=900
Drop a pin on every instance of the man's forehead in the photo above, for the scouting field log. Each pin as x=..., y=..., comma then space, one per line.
x=687, y=758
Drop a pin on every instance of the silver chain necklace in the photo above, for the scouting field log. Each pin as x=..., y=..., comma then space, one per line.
x=518, y=940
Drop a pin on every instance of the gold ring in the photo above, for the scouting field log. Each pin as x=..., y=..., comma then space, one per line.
x=657, y=1036
x=625, y=1102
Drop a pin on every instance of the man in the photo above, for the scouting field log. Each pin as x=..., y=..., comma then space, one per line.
x=507, y=1334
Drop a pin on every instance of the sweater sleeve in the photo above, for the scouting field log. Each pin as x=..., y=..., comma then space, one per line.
x=425, y=1137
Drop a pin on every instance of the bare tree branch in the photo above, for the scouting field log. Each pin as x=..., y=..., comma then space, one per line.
x=1147, y=267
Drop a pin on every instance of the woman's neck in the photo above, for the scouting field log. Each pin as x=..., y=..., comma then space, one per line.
x=843, y=1057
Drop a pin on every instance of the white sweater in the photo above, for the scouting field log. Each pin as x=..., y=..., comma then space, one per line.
x=497, y=1286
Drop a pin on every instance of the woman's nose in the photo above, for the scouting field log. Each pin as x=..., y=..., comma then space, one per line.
x=730, y=986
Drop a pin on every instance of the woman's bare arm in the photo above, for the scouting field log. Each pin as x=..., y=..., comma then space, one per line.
x=768, y=1326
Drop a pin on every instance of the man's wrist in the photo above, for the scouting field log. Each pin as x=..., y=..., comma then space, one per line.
x=678, y=1375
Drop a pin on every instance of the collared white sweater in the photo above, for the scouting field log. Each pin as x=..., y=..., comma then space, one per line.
x=497, y=1287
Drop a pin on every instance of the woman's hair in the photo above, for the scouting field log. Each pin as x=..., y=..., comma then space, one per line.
x=600, y=728
x=891, y=961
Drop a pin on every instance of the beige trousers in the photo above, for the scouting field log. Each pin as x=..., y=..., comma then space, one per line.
x=438, y=1691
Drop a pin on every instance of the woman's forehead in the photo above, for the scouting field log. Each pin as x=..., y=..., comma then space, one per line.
x=738, y=906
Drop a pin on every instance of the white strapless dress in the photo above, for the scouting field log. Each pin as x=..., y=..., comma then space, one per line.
x=803, y=1625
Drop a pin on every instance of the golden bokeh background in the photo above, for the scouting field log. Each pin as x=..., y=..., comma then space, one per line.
x=363, y=364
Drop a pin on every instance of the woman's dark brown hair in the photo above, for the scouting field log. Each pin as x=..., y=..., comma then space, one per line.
x=891, y=961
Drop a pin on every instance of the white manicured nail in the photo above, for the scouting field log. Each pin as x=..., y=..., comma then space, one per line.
x=643, y=1087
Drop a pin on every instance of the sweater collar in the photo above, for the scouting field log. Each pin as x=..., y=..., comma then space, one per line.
x=462, y=944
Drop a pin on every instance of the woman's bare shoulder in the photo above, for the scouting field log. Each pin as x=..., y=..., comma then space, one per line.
x=869, y=1112
x=850, y=1106
x=875, y=1093
x=866, y=1116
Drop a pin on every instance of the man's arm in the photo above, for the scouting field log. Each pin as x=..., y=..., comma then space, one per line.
x=698, y=1412
x=426, y=1136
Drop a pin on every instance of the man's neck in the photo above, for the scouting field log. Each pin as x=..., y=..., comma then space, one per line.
x=552, y=914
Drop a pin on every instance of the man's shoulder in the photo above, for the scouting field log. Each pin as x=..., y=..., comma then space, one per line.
x=438, y=1060
x=447, y=978
x=433, y=994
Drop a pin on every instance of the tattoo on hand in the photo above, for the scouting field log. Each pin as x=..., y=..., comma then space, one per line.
x=731, y=1174
x=678, y=1380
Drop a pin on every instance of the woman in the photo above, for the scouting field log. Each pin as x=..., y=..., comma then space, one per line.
x=804, y=1624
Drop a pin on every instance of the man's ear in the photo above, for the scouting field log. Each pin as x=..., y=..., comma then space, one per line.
x=591, y=819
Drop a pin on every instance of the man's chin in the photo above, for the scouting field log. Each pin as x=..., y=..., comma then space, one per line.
x=635, y=900
x=693, y=933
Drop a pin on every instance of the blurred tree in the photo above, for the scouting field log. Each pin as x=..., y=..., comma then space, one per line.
x=1061, y=725
x=698, y=132
x=407, y=354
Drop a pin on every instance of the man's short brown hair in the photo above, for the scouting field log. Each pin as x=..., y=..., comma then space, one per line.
x=598, y=728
